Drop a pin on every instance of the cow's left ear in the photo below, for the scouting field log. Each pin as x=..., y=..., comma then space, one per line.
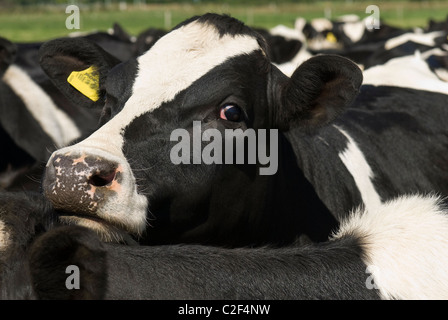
x=78, y=68
x=8, y=52
x=318, y=91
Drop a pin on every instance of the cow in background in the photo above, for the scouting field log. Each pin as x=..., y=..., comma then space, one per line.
x=35, y=117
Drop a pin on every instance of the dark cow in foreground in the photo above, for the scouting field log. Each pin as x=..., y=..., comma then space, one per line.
x=362, y=260
x=23, y=217
x=336, y=151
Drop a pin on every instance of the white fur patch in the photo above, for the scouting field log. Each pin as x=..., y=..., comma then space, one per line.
x=172, y=65
x=4, y=237
x=357, y=165
x=405, y=72
x=53, y=121
x=425, y=39
x=289, y=67
x=354, y=30
x=405, y=242
x=321, y=24
x=289, y=33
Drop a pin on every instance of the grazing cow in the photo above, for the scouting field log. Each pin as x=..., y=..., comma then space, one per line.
x=397, y=251
x=335, y=151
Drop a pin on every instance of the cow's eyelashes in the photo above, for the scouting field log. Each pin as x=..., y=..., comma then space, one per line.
x=231, y=112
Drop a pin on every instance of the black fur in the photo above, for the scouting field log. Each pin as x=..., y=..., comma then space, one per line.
x=24, y=216
x=333, y=270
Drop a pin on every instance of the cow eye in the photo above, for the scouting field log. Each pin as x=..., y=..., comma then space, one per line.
x=231, y=112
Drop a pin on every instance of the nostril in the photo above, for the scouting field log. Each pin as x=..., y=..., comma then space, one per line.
x=102, y=179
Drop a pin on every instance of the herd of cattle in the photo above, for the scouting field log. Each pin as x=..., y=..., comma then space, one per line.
x=355, y=210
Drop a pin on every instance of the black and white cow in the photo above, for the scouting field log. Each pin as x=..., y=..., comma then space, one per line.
x=413, y=72
x=404, y=45
x=31, y=124
x=35, y=117
x=335, y=151
x=362, y=260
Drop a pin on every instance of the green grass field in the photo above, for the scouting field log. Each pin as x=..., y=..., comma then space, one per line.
x=35, y=24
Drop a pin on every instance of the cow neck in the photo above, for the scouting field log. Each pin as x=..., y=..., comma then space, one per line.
x=293, y=193
x=318, y=159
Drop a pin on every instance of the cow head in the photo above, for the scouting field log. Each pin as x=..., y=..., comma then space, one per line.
x=210, y=69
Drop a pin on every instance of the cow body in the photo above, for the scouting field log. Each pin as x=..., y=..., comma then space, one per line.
x=330, y=271
x=373, y=255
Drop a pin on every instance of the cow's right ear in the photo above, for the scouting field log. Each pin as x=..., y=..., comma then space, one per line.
x=319, y=90
x=8, y=52
x=78, y=68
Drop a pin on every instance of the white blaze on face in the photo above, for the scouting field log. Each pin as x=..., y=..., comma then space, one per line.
x=172, y=65
x=53, y=121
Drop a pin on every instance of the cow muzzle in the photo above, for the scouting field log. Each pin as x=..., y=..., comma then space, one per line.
x=96, y=189
x=80, y=183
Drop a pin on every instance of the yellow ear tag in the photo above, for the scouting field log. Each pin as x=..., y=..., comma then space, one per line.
x=86, y=81
x=331, y=37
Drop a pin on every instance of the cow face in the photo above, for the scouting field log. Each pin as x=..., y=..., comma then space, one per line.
x=211, y=70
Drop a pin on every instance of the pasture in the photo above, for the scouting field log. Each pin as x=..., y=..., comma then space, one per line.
x=47, y=22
